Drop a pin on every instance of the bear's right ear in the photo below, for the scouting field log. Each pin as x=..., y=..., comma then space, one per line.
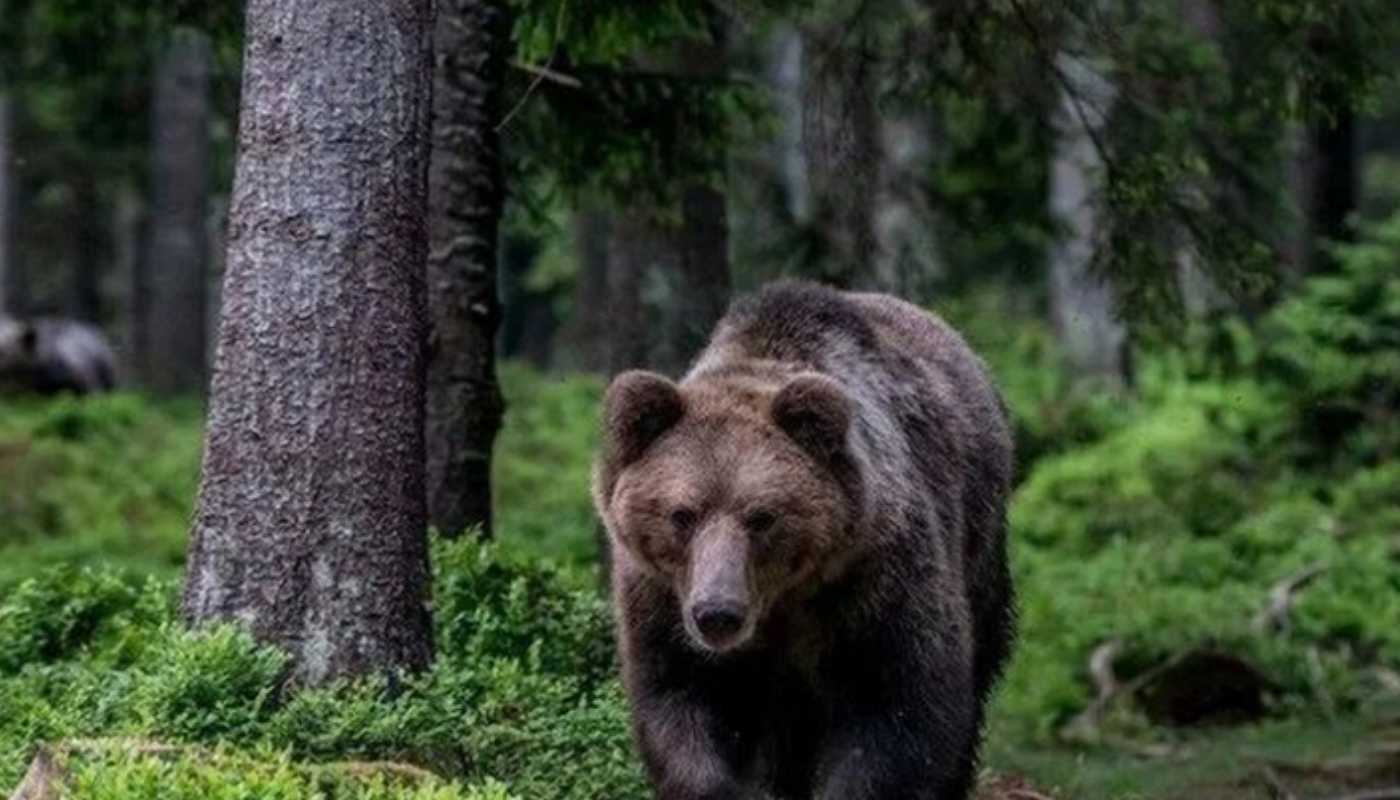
x=28, y=339
x=638, y=408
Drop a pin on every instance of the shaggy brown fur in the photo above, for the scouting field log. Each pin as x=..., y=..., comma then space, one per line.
x=808, y=542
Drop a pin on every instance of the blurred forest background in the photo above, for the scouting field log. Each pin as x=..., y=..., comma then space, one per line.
x=1171, y=227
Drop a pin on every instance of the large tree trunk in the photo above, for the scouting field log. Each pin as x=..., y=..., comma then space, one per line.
x=312, y=516
x=7, y=206
x=464, y=405
x=1081, y=303
x=841, y=146
x=171, y=284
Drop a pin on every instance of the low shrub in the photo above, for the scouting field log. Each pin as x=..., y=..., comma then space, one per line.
x=522, y=690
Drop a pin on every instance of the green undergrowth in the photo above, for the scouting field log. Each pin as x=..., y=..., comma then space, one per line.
x=103, y=480
x=265, y=774
x=522, y=690
x=542, y=465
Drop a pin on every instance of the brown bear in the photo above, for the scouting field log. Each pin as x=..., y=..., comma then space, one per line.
x=50, y=355
x=809, y=558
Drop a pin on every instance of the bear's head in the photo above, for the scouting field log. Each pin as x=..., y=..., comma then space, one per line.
x=736, y=496
x=19, y=347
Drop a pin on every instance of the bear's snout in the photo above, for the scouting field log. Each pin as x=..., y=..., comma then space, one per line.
x=719, y=623
x=719, y=609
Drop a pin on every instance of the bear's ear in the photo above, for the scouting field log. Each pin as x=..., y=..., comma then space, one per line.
x=28, y=339
x=816, y=412
x=638, y=408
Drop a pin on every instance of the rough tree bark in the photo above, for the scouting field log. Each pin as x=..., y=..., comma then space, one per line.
x=311, y=521
x=1081, y=303
x=7, y=206
x=841, y=146
x=464, y=405
x=170, y=291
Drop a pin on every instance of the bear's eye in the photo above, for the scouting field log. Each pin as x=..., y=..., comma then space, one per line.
x=683, y=519
x=759, y=520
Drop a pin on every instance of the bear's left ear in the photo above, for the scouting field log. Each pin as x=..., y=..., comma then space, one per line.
x=816, y=412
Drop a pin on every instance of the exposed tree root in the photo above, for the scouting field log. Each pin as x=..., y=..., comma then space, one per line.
x=1274, y=617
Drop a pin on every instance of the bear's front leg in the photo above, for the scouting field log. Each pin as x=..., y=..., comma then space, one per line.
x=904, y=728
x=684, y=750
x=892, y=760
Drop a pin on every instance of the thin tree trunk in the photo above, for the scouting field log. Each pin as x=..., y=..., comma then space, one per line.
x=1199, y=294
x=464, y=406
x=906, y=254
x=7, y=205
x=311, y=521
x=841, y=145
x=126, y=220
x=528, y=324
x=635, y=250
x=1324, y=181
x=89, y=249
x=696, y=276
x=699, y=288
x=1081, y=303
x=172, y=277
x=1334, y=185
x=588, y=326
x=787, y=69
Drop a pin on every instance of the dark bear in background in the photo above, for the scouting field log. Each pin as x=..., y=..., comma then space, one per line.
x=48, y=356
x=808, y=539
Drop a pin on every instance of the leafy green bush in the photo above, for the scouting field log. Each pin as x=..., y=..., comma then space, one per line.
x=1336, y=347
x=1253, y=455
x=522, y=690
x=1188, y=466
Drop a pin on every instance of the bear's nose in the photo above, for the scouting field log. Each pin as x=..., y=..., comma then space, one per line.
x=719, y=621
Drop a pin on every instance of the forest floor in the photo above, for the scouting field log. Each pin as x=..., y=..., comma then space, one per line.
x=1348, y=758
